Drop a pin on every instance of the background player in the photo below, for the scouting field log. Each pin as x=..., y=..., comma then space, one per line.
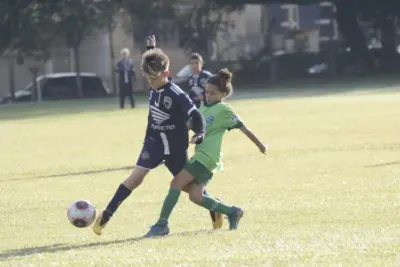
x=166, y=139
x=197, y=80
x=199, y=170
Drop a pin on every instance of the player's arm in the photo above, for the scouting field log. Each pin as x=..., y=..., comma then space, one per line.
x=254, y=138
x=151, y=42
x=231, y=121
x=198, y=124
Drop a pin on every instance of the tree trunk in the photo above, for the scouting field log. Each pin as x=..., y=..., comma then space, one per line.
x=78, y=71
x=34, y=71
x=11, y=76
x=112, y=58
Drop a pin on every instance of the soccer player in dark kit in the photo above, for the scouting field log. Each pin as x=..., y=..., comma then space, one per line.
x=197, y=80
x=166, y=139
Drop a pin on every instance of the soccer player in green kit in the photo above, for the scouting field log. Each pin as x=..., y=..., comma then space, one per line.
x=199, y=170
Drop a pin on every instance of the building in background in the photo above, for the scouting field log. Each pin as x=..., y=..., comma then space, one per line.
x=301, y=27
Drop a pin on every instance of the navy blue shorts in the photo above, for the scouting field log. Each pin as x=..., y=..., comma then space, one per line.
x=153, y=155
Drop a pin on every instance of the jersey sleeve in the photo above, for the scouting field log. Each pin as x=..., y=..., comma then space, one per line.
x=229, y=120
x=186, y=103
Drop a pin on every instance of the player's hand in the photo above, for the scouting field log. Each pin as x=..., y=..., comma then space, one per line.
x=151, y=41
x=197, y=139
x=263, y=148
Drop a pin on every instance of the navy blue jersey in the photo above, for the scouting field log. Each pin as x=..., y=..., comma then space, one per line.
x=197, y=86
x=169, y=112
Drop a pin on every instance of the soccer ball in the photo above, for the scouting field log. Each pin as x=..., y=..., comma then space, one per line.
x=81, y=213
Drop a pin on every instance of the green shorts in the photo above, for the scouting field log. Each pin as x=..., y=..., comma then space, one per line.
x=201, y=174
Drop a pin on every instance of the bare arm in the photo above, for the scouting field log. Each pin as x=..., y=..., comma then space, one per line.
x=151, y=42
x=254, y=139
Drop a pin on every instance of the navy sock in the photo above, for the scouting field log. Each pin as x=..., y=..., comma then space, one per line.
x=120, y=195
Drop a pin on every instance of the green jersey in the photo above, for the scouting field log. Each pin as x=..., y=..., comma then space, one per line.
x=219, y=118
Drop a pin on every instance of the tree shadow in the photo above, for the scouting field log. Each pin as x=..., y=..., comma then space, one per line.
x=62, y=247
x=383, y=164
x=58, y=108
x=284, y=89
x=69, y=174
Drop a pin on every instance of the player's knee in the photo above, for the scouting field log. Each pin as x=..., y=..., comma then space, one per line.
x=178, y=183
x=136, y=178
x=175, y=184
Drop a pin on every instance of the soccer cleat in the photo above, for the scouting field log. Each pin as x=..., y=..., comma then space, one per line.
x=217, y=220
x=100, y=223
x=234, y=218
x=158, y=230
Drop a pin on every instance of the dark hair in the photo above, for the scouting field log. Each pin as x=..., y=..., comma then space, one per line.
x=196, y=56
x=155, y=62
x=223, y=81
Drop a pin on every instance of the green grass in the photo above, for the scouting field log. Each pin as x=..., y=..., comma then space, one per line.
x=327, y=194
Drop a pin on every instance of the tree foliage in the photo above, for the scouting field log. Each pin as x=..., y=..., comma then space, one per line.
x=28, y=30
x=148, y=17
x=198, y=29
x=77, y=19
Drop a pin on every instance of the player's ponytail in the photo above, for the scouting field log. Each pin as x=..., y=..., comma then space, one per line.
x=223, y=80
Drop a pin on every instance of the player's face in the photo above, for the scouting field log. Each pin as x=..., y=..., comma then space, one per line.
x=213, y=95
x=195, y=65
x=156, y=82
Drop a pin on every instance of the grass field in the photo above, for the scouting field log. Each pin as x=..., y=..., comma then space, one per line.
x=327, y=194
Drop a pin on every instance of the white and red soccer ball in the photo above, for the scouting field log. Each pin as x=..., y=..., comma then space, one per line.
x=81, y=213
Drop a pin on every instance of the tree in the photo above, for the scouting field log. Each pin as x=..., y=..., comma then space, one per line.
x=28, y=32
x=198, y=29
x=9, y=27
x=108, y=10
x=78, y=19
x=148, y=17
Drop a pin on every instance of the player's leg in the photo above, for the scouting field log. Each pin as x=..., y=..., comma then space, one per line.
x=202, y=177
x=131, y=100
x=180, y=181
x=145, y=163
x=175, y=163
x=217, y=218
x=121, y=98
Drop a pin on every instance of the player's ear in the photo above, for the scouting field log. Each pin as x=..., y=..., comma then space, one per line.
x=166, y=73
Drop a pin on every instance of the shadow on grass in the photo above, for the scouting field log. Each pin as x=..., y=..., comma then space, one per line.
x=383, y=164
x=60, y=175
x=22, y=111
x=24, y=252
x=289, y=89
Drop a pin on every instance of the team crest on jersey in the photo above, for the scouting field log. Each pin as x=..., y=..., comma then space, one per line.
x=235, y=118
x=167, y=102
x=210, y=119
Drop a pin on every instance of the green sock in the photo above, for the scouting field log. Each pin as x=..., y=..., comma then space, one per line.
x=214, y=205
x=169, y=203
